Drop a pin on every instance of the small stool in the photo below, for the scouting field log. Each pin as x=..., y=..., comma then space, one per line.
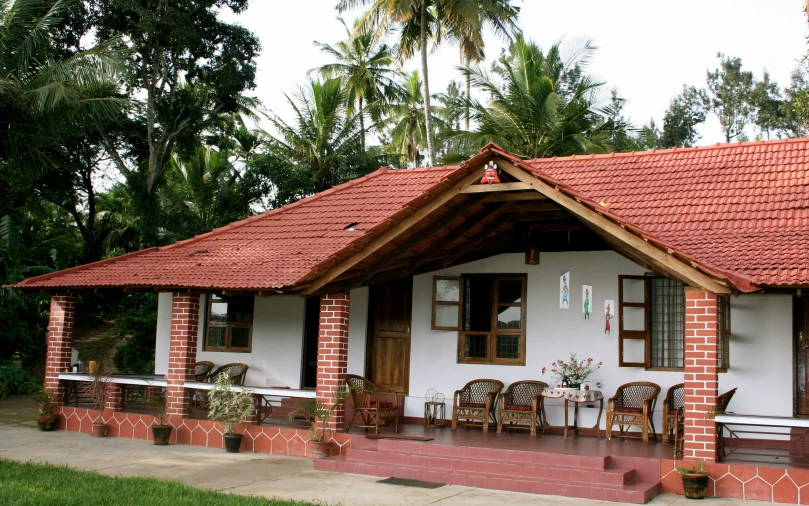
x=435, y=414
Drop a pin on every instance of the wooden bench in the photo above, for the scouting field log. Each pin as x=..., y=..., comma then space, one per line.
x=795, y=445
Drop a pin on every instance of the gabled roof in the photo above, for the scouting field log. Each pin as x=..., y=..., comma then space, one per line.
x=739, y=211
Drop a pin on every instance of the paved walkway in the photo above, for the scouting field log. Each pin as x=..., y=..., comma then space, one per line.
x=255, y=474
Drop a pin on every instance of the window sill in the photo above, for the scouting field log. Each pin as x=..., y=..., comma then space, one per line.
x=675, y=369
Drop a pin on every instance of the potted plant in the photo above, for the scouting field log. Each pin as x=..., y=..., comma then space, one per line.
x=695, y=480
x=230, y=408
x=161, y=431
x=46, y=420
x=318, y=415
x=96, y=389
x=573, y=372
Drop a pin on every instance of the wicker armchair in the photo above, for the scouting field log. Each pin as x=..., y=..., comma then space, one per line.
x=633, y=405
x=675, y=399
x=202, y=371
x=235, y=373
x=476, y=401
x=722, y=402
x=372, y=403
x=522, y=402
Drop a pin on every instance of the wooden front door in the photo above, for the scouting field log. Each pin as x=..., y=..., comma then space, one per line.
x=389, y=335
x=800, y=327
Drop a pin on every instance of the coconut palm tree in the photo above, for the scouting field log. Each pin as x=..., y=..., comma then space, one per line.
x=365, y=65
x=540, y=104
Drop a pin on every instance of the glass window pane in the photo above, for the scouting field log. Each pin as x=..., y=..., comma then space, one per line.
x=478, y=304
x=667, y=322
x=634, y=318
x=508, y=346
x=509, y=317
x=216, y=336
x=219, y=312
x=447, y=316
x=634, y=351
x=241, y=315
x=634, y=290
x=448, y=290
x=509, y=291
x=239, y=337
x=476, y=346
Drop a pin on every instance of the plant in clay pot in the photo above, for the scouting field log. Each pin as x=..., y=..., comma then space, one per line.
x=695, y=480
x=96, y=389
x=230, y=408
x=161, y=431
x=318, y=415
x=46, y=420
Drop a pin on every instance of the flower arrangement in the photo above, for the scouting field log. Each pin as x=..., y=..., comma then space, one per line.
x=574, y=371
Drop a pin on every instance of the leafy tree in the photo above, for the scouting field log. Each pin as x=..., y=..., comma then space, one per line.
x=539, y=104
x=685, y=113
x=767, y=106
x=190, y=68
x=365, y=65
x=796, y=105
x=730, y=90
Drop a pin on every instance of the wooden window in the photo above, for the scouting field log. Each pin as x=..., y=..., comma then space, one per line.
x=446, y=303
x=229, y=326
x=492, y=327
x=651, y=312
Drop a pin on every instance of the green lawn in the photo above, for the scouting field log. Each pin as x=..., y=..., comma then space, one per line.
x=48, y=485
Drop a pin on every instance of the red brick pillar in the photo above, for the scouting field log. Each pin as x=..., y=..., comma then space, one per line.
x=332, y=353
x=114, y=397
x=701, y=378
x=60, y=341
x=182, y=351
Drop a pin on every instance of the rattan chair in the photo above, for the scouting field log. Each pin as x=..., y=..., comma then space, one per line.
x=476, y=401
x=722, y=402
x=202, y=371
x=522, y=403
x=235, y=372
x=373, y=404
x=675, y=399
x=633, y=406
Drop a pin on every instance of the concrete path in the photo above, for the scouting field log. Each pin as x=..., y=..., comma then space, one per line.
x=255, y=474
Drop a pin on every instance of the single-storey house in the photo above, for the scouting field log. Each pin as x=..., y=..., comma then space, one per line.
x=670, y=266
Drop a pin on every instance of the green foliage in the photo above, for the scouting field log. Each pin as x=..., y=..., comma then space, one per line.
x=227, y=406
x=30, y=484
x=42, y=397
x=685, y=113
x=730, y=90
x=697, y=467
x=318, y=415
x=136, y=325
x=15, y=380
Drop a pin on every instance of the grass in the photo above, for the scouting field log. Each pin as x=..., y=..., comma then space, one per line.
x=32, y=484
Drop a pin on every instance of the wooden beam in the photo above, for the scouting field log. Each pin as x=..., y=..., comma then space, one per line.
x=492, y=188
x=534, y=207
x=475, y=242
x=625, y=239
x=510, y=197
x=540, y=217
x=400, y=228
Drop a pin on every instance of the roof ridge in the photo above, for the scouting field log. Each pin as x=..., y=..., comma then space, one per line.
x=678, y=150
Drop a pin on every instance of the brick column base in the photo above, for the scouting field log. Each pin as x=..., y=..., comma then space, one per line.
x=114, y=397
x=701, y=378
x=332, y=354
x=182, y=351
x=60, y=342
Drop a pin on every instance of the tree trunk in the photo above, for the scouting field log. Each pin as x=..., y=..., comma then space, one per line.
x=468, y=95
x=362, y=124
x=428, y=123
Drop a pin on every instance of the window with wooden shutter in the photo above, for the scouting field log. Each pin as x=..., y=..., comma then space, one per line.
x=633, y=321
x=447, y=293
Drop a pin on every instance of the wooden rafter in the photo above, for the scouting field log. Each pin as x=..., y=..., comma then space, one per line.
x=623, y=238
x=397, y=230
x=514, y=197
x=477, y=240
x=494, y=188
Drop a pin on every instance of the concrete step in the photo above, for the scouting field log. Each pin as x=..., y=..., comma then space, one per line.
x=638, y=492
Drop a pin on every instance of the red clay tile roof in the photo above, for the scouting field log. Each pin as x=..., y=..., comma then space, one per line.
x=740, y=211
x=741, y=208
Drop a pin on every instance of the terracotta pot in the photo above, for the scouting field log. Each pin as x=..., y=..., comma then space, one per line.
x=233, y=442
x=320, y=449
x=161, y=434
x=694, y=485
x=99, y=429
x=47, y=422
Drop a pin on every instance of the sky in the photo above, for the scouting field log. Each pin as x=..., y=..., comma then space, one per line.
x=647, y=49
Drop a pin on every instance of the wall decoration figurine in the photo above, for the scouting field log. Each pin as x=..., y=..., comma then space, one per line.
x=564, y=291
x=490, y=174
x=586, y=301
x=609, y=308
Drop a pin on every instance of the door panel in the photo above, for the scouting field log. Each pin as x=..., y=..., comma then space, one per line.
x=801, y=328
x=389, y=334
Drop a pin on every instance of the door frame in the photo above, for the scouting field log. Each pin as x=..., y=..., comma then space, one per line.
x=369, y=338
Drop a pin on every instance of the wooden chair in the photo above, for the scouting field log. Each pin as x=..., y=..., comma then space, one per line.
x=202, y=371
x=235, y=372
x=476, y=401
x=633, y=405
x=372, y=403
x=675, y=399
x=722, y=402
x=522, y=402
